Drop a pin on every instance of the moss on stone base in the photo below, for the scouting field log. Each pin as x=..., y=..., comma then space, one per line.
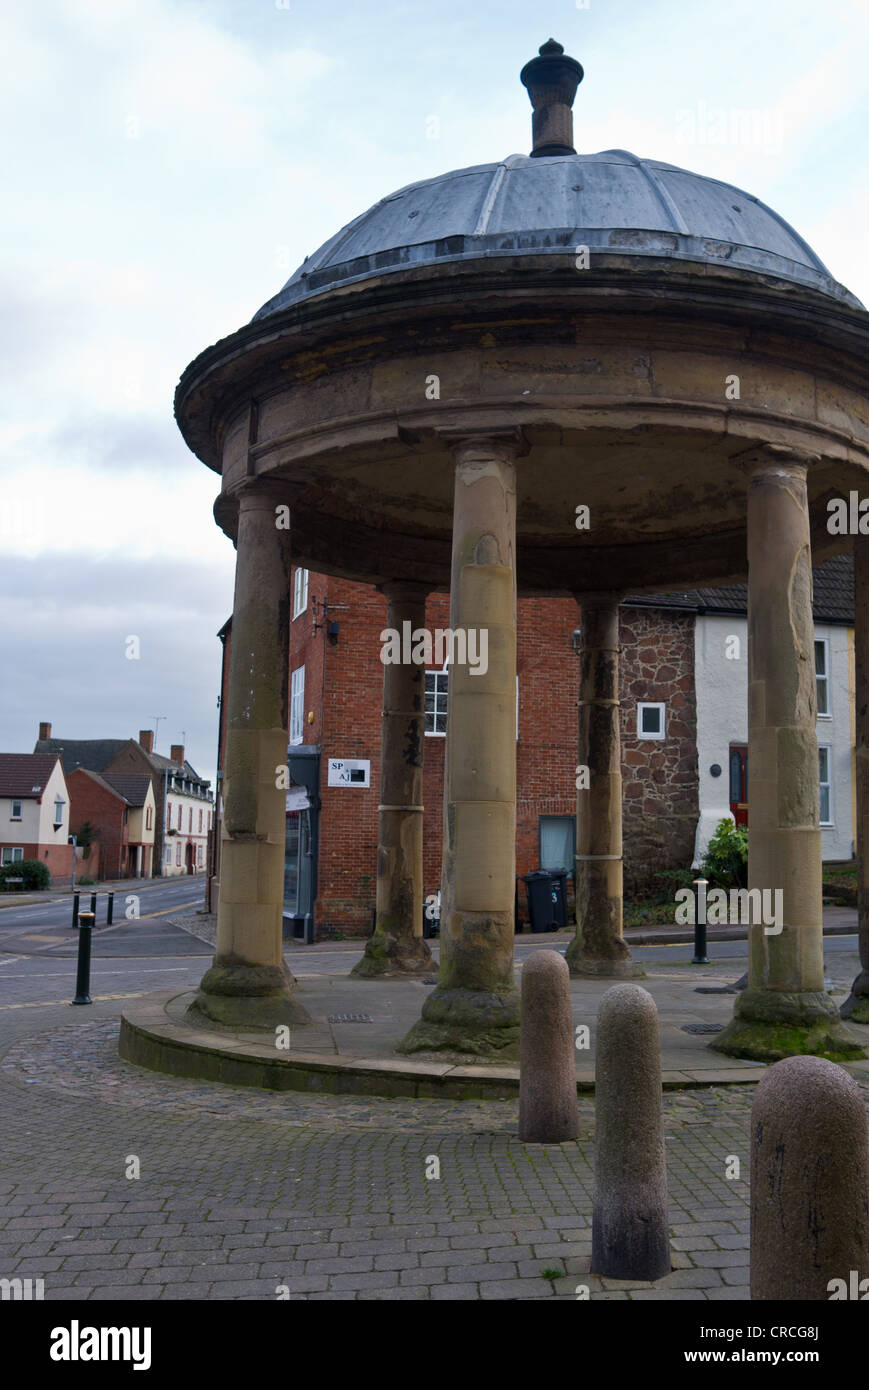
x=772, y=1042
x=240, y=995
x=481, y=1023
x=501, y=1044
x=389, y=953
x=855, y=1009
x=769, y=1025
x=856, y=1006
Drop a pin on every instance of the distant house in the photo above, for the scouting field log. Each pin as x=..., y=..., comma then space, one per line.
x=183, y=810
x=183, y=799
x=34, y=813
x=120, y=814
x=718, y=624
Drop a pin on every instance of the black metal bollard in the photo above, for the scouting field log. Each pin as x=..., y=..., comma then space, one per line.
x=94, y=905
x=110, y=911
x=83, y=968
x=75, y=902
x=309, y=929
x=700, y=957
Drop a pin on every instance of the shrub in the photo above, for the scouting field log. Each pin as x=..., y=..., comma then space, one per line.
x=726, y=861
x=671, y=880
x=33, y=871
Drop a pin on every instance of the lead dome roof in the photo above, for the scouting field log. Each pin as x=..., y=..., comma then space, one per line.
x=611, y=202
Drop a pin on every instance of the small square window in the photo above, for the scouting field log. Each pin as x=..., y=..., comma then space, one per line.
x=651, y=720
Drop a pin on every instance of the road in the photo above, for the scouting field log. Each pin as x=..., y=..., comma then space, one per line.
x=38, y=948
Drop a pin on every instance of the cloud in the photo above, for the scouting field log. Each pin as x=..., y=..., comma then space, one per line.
x=64, y=644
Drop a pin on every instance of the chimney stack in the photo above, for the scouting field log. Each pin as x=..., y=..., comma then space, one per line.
x=552, y=80
x=44, y=731
x=177, y=753
x=146, y=740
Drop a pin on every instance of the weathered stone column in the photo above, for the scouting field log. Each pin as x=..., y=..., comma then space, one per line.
x=856, y=1006
x=475, y=1007
x=784, y=1010
x=598, y=947
x=396, y=946
x=249, y=984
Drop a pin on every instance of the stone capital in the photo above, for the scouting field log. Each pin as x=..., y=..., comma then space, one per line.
x=598, y=598
x=404, y=591
x=776, y=458
x=484, y=446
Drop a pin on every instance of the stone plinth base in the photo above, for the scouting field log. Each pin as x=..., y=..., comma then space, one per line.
x=249, y=996
x=768, y=1026
x=615, y=965
x=389, y=955
x=483, y=1023
x=856, y=1006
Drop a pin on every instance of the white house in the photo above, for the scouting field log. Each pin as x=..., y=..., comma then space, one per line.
x=721, y=686
x=34, y=812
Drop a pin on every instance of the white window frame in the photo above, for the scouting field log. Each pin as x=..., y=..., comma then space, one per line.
x=652, y=704
x=177, y=853
x=59, y=804
x=438, y=733
x=11, y=854
x=823, y=677
x=828, y=749
x=300, y=591
x=16, y=815
x=297, y=705
x=168, y=854
x=445, y=671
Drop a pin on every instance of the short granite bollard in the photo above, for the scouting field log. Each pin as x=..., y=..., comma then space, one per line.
x=548, y=1112
x=809, y=1175
x=629, y=1238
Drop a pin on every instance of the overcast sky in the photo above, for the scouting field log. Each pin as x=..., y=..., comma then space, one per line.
x=166, y=166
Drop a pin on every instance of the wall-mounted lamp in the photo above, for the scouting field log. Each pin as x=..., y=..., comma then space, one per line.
x=577, y=639
x=334, y=629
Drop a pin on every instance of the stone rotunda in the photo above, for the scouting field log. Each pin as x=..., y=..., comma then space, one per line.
x=426, y=405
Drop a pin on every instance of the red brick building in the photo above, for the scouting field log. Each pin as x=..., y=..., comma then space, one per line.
x=336, y=679
x=119, y=813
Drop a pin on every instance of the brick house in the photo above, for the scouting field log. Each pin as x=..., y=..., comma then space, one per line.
x=34, y=813
x=183, y=808
x=120, y=812
x=673, y=691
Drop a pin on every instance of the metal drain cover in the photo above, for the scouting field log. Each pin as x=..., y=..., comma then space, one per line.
x=702, y=1027
x=351, y=1018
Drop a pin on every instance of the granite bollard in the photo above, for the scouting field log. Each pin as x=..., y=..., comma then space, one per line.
x=630, y=1238
x=548, y=1112
x=809, y=1175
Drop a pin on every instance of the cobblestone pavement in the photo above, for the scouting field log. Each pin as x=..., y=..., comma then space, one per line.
x=241, y=1193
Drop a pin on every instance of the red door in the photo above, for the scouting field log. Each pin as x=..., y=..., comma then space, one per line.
x=739, y=783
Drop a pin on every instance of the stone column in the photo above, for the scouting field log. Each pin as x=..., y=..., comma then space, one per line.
x=856, y=1006
x=784, y=1010
x=475, y=1007
x=598, y=947
x=249, y=984
x=396, y=946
